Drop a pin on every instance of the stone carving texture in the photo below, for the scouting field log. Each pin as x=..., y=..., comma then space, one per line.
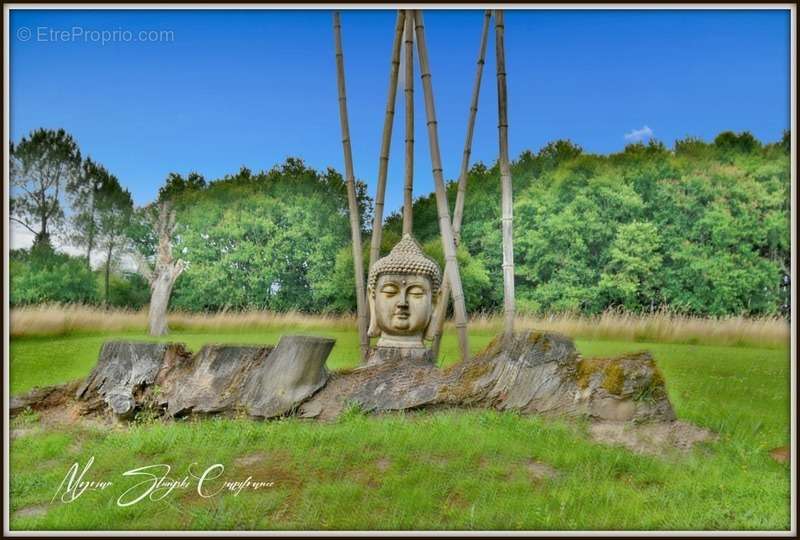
x=403, y=290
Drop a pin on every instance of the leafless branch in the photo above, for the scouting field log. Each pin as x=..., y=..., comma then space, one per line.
x=23, y=224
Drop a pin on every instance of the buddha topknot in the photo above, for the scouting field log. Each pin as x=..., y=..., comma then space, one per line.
x=406, y=257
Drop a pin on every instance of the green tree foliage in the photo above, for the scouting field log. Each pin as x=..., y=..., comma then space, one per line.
x=631, y=277
x=41, y=166
x=43, y=275
x=83, y=192
x=744, y=142
x=96, y=197
x=702, y=229
x=114, y=211
x=177, y=184
x=263, y=241
x=125, y=289
x=474, y=276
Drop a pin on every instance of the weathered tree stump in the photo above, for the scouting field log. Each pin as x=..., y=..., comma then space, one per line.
x=124, y=371
x=262, y=382
x=533, y=373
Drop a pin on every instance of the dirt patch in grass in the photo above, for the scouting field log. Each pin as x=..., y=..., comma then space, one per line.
x=383, y=464
x=37, y=510
x=653, y=439
x=540, y=471
x=250, y=459
x=22, y=432
x=456, y=501
x=781, y=455
x=275, y=467
x=366, y=477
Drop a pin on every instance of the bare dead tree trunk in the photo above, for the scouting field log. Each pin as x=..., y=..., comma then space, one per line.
x=161, y=289
x=165, y=272
x=462, y=182
x=505, y=178
x=445, y=226
x=408, y=193
x=355, y=222
x=386, y=140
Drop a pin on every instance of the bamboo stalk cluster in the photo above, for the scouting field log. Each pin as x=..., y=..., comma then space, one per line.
x=408, y=26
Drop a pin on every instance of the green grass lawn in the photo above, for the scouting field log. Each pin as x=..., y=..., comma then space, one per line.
x=444, y=470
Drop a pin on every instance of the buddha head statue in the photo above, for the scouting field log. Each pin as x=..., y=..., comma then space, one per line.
x=403, y=291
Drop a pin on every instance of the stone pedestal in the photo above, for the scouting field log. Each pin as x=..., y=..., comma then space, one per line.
x=384, y=355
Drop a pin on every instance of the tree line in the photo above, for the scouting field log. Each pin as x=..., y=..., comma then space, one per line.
x=700, y=228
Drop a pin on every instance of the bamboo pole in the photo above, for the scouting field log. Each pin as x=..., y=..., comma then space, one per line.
x=473, y=111
x=507, y=202
x=355, y=222
x=408, y=193
x=462, y=181
x=386, y=140
x=445, y=226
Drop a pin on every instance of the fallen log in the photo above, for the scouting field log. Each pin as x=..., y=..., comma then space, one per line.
x=625, y=398
x=533, y=373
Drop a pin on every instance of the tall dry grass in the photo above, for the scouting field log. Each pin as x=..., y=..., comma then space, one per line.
x=662, y=326
x=57, y=319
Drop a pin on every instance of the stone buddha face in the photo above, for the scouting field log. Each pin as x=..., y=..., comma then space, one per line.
x=403, y=293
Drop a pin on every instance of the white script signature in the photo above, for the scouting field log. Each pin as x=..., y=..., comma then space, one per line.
x=155, y=483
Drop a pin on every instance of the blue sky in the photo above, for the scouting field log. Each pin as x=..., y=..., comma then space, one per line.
x=249, y=88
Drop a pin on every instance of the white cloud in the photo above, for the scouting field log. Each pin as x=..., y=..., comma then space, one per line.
x=638, y=135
